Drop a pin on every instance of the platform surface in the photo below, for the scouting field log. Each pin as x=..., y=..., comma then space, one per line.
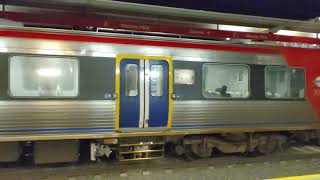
x=297, y=164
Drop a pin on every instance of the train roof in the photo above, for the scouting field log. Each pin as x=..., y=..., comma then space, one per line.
x=132, y=18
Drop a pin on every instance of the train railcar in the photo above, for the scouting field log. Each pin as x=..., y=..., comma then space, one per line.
x=126, y=96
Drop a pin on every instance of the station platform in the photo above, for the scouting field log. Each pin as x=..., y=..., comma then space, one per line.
x=294, y=164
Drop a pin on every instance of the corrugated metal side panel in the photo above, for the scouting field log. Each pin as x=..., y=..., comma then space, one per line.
x=94, y=49
x=238, y=112
x=56, y=116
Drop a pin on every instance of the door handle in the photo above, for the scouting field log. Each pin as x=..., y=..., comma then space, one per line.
x=115, y=96
x=174, y=96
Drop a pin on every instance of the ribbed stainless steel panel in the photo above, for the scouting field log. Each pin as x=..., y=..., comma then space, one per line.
x=17, y=117
x=93, y=49
x=238, y=112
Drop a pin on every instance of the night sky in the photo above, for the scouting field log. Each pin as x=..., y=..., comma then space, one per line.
x=289, y=9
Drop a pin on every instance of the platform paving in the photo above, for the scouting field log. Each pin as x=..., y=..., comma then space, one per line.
x=293, y=162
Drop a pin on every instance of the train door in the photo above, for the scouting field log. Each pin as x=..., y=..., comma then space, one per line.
x=143, y=92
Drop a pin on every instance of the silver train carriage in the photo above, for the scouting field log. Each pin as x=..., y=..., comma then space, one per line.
x=133, y=95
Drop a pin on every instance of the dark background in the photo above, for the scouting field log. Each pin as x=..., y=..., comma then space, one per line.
x=288, y=9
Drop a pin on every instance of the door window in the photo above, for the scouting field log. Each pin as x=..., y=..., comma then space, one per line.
x=132, y=75
x=156, y=76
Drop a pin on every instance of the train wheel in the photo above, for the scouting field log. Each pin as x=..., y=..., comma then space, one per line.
x=179, y=149
x=201, y=150
x=188, y=154
x=267, y=147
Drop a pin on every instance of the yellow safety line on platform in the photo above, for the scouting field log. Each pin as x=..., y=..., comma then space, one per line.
x=305, y=177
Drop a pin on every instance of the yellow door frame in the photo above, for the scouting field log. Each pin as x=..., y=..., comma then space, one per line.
x=142, y=57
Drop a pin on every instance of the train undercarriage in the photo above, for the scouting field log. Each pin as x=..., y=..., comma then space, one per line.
x=152, y=147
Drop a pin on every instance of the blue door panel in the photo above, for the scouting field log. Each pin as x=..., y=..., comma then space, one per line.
x=129, y=105
x=159, y=105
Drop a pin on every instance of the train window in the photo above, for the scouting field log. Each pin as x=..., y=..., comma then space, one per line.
x=225, y=81
x=184, y=76
x=132, y=75
x=284, y=83
x=42, y=76
x=156, y=80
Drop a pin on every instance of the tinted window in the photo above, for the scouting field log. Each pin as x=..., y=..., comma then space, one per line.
x=225, y=81
x=184, y=76
x=285, y=83
x=43, y=76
